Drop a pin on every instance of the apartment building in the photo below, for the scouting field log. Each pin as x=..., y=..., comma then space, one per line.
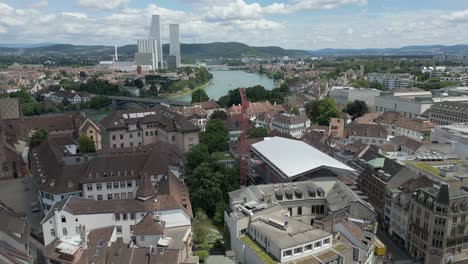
x=392, y=81
x=437, y=225
x=195, y=114
x=292, y=125
x=278, y=159
x=292, y=222
x=366, y=134
x=378, y=174
x=134, y=128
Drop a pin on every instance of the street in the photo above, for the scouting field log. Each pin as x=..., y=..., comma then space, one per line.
x=398, y=255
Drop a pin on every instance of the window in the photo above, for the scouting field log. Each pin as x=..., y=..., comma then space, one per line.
x=109, y=196
x=130, y=195
x=308, y=248
x=299, y=211
x=116, y=196
x=132, y=216
x=146, y=133
x=297, y=251
x=109, y=186
x=121, y=136
x=123, y=195
x=52, y=232
x=173, y=138
x=91, y=197
x=122, y=185
x=129, y=184
x=117, y=217
x=287, y=253
x=99, y=186
x=131, y=144
x=124, y=216
x=132, y=228
x=114, y=146
x=119, y=229
x=142, y=238
x=99, y=197
x=64, y=219
x=89, y=187
x=326, y=242
x=116, y=185
x=139, y=134
x=121, y=145
x=113, y=137
x=318, y=244
x=64, y=231
x=290, y=211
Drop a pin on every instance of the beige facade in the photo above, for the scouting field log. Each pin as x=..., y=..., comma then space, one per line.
x=92, y=130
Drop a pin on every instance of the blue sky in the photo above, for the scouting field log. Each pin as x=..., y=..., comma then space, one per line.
x=301, y=24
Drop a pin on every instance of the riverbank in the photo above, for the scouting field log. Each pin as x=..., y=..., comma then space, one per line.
x=187, y=91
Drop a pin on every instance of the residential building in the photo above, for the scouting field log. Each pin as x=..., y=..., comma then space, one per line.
x=292, y=222
x=255, y=109
x=456, y=135
x=290, y=124
x=391, y=81
x=366, y=134
x=459, y=79
x=278, y=159
x=397, y=205
x=14, y=236
x=378, y=174
x=93, y=131
x=343, y=95
x=336, y=127
x=195, y=114
x=134, y=128
x=447, y=113
x=72, y=97
x=437, y=221
x=157, y=217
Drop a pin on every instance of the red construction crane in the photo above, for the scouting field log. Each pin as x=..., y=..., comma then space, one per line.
x=243, y=155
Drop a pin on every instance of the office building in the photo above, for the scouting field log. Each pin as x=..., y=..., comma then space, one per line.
x=155, y=34
x=343, y=95
x=455, y=135
x=292, y=125
x=149, y=51
x=174, y=43
x=447, y=113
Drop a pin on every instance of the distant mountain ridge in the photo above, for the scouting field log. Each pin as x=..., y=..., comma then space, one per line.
x=406, y=50
x=196, y=51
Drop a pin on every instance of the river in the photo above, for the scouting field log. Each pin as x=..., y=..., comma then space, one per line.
x=223, y=81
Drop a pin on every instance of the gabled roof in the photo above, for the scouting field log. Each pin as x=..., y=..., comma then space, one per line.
x=149, y=226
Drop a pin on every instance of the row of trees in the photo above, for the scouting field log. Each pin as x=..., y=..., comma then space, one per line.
x=255, y=94
x=321, y=111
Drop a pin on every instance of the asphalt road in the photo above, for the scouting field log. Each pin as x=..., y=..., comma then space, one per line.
x=398, y=254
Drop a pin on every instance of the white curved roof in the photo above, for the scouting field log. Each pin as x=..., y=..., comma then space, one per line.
x=294, y=157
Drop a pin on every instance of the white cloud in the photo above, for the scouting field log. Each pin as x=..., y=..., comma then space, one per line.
x=39, y=4
x=459, y=16
x=102, y=5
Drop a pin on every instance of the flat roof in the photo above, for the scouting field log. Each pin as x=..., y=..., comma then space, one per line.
x=294, y=157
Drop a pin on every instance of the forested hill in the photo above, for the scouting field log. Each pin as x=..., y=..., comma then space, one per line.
x=195, y=51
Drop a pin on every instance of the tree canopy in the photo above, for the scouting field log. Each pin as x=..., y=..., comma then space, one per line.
x=216, y=136
x=199, y=96
x=257, y=132
x=86, y=144
x=320, y=111
x=254, y=94
x=218, y=114
x=356, y=109
x=37, y=138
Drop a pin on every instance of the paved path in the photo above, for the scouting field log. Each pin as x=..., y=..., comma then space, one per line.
x=398, y=254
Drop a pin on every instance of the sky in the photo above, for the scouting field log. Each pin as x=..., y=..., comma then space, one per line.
x=294, y=24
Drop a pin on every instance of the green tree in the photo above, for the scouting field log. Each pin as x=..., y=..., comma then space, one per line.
x=196, y=156
x=218, y=217
x=219, y=114
x=205, y=188
x=37, y=138
x=356, y=109
x=139, y=83
x=216, y=136
x=199, y=96
x=199, y=232
x=295, y=111
x=257, y=132
x=86, y=144
x=321, y=111
x=98, y=102
x=284, y=88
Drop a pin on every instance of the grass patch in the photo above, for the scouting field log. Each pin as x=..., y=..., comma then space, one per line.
x=425, y=167
x=202, y=254
x=222, y=156
x=262, y=255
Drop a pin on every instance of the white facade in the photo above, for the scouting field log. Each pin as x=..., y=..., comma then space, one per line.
x=111, y=190
x=155, y=34
x=64, y=223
